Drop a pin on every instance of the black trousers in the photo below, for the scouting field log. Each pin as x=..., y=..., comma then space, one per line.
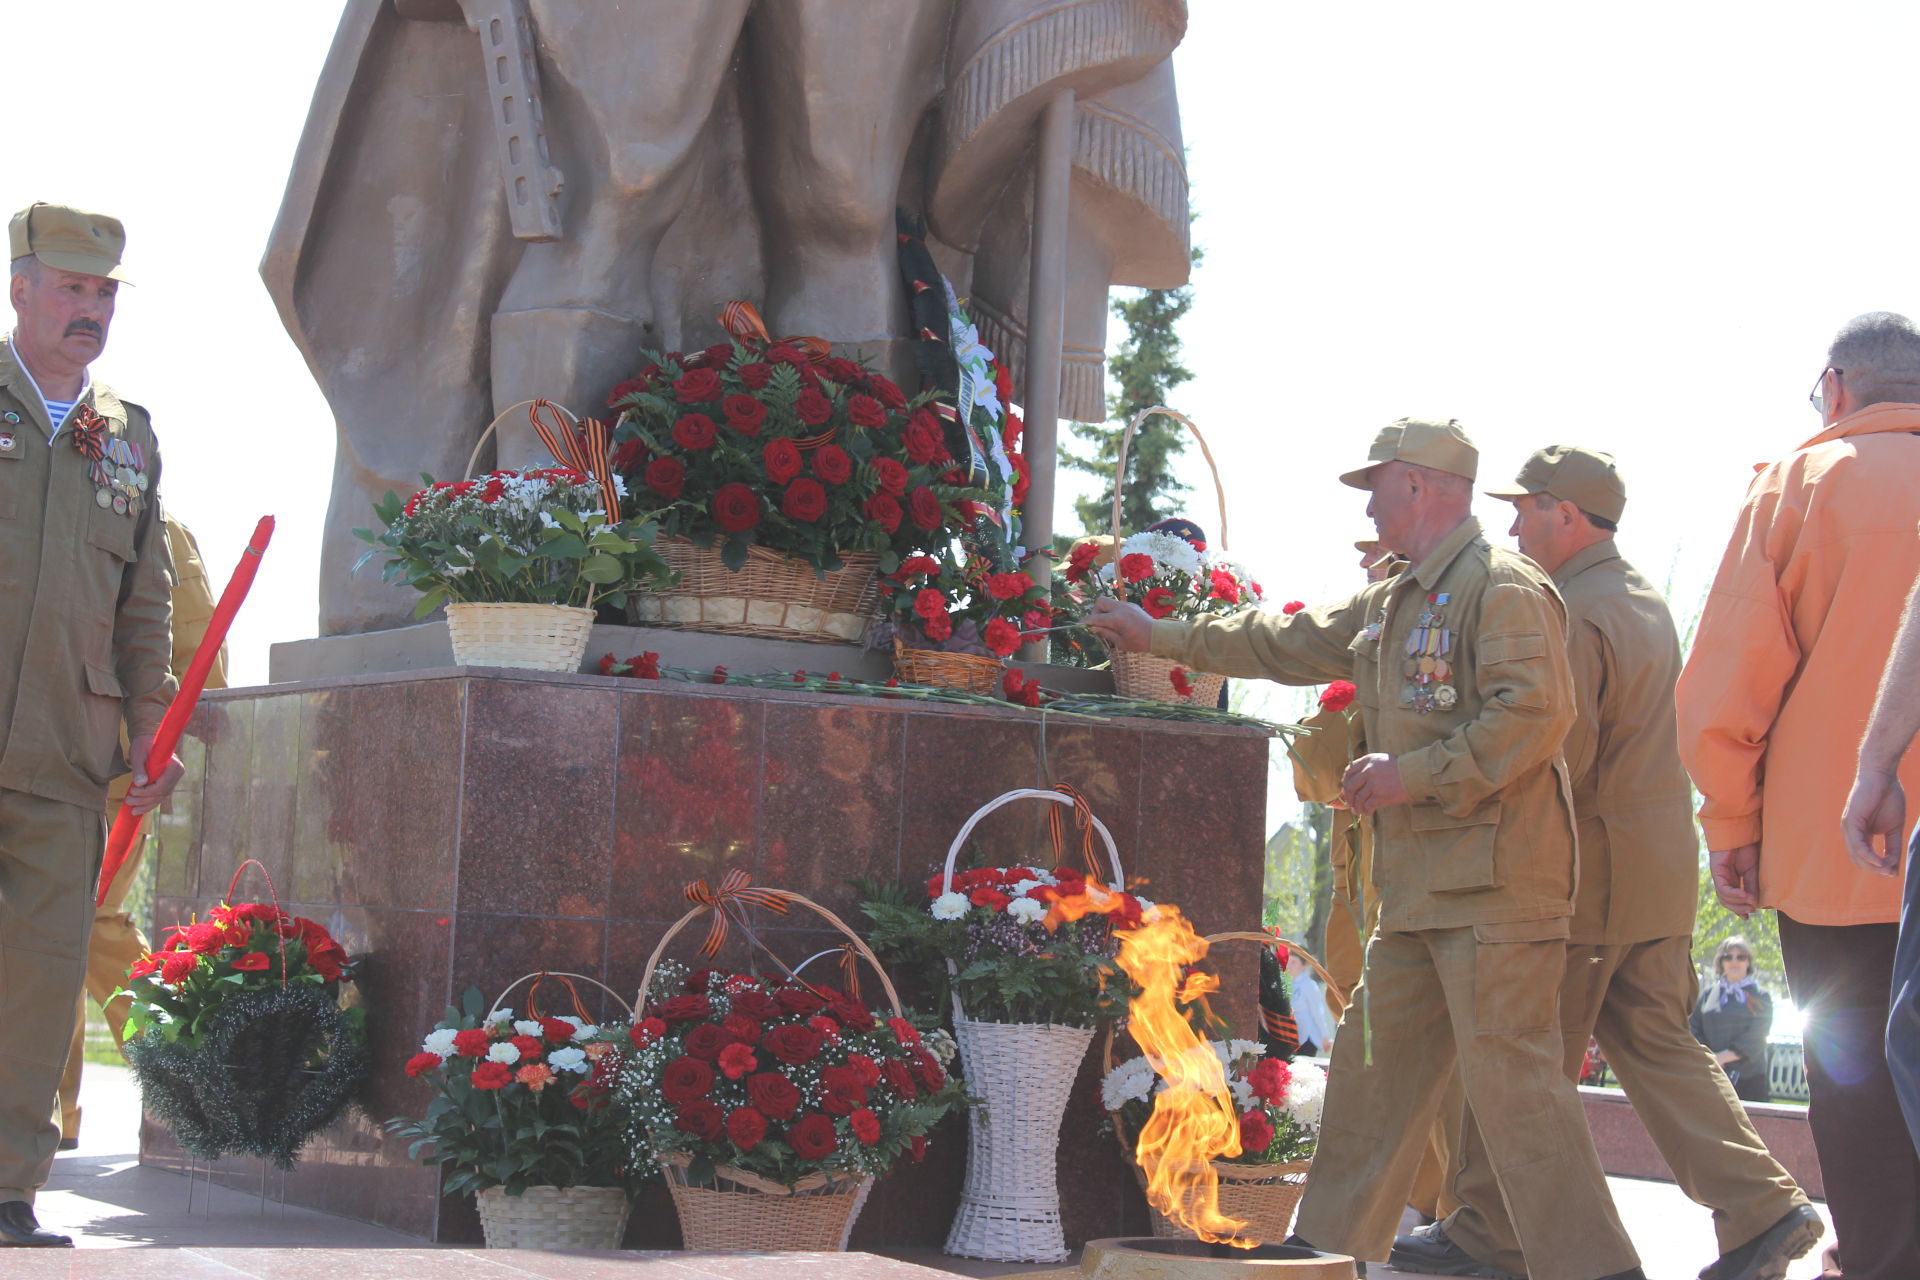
x=1903, y=1019
x=1841, y=978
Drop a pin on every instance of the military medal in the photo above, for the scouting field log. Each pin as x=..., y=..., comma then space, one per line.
x=1427, y=668
x=8, y=442
x=11, y=417
x=102, y=498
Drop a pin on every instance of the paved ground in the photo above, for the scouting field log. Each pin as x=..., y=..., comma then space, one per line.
x=101, y=1193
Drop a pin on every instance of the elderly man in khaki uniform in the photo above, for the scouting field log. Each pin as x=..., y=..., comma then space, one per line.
x=1465, y=696
x=84, y=643
x=117, y=941
x=1629, y=977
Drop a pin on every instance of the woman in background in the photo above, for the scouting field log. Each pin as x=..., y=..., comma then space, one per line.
x=1733, y=1018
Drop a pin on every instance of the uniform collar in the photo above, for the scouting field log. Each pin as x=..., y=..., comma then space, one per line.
x=14, y=375
x=1587, y=557
x=1428, y=571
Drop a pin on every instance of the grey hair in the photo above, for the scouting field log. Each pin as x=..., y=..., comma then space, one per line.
x=27, y=265
x=1878, y=355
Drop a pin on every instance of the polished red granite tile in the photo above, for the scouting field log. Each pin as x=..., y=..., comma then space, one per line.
x=392, y=790
x=914, y=1204
x=1202, y=826
x=1098, y=1193
x=830, y=815
x=1102, y=763
x=326, y=799
x=174, y=839
x=225, y=833
x=273, y=787
x=687, y=800
x=536, y=822
x=491, y=951
x=954, y=765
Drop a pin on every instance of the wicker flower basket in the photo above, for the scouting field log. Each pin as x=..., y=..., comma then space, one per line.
x=554, y=1217
x=967, y=672
x=543, y=637
x=772, y=596
x=1022, y=1074
x=1263, y=1195
x=1150, y=677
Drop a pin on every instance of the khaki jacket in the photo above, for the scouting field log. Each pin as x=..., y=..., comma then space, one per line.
x=1639, y=854
x=84, y=637
x=1787, y=660
x=1488, y=839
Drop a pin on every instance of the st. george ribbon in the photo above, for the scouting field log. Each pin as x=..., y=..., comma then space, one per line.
x=126, y=827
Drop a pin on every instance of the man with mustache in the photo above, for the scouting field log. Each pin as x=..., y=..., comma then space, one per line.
x=85, y=639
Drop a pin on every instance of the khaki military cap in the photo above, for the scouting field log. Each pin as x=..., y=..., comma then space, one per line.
x=1585, y=477
x=1442, y=446
x=68, y=239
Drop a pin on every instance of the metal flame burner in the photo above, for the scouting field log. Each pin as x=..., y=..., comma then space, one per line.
x=1148, y=1258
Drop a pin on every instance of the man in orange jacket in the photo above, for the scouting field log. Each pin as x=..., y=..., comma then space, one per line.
x=1771, y=707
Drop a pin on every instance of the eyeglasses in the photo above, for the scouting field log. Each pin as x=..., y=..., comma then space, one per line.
x=1735, y=955
x=1817, y=397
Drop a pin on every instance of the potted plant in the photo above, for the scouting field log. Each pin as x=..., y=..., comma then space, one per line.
x=521, y=1117
x=237, y=1035
x=519, y=558
x=1026, y=1000
x=783, y=479
x=1279, y=1103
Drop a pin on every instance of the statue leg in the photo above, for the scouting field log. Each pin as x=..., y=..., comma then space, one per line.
x=628, y=91
x=838, y=88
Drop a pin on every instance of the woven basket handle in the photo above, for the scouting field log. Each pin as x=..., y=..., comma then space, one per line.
x=473, y=459
x=566, y=980
x=865, y=952
x=1120, y=468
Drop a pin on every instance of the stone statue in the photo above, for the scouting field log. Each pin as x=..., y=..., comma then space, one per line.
x=501, y=199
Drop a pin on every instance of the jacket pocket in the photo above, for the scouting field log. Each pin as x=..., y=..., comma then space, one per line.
x=113, y=535
x=1512, y=651
x=1458, y=852
x=100, y=720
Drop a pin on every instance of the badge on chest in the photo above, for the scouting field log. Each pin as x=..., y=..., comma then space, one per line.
x=1428, y=667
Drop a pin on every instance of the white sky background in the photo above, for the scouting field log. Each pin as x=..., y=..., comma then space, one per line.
x=1633, y=226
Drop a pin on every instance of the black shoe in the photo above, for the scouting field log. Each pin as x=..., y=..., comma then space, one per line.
x=1428, y=1252
x=70, y=1144
x=1299, y=1242
x=20, y=1229
x=1765, y=1257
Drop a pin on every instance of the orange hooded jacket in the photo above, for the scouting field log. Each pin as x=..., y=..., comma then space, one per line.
x=1783, y=671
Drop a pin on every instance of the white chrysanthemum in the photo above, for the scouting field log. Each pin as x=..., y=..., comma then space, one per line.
x=526, y=1027
x=1027, y=911
x=1242, y=1094
x=440, y=1042
x=568, y=1059
x=950, y=906
x=1147, y=910
x=582, y=1029
x=1306, y=1093
x=1131, y=1081
x=503, y=1051
x=500, y=1015
x=1169, y=551
x=1238, y=1049
x=940, y=1043
x=1025, y=887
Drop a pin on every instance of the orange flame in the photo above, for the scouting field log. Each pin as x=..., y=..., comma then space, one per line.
x=1194, y=1121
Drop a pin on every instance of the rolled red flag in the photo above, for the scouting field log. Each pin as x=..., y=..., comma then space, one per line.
x=126, y=827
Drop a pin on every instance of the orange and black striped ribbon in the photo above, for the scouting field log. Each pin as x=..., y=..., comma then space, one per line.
x=89, y=432
x=1083, y=822
x=734, y=891
x=742, y=322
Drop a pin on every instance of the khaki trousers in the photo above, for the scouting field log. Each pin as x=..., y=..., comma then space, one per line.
x=1473, y=996
x=49, y=858
x=1634, y=997
x=115, y=944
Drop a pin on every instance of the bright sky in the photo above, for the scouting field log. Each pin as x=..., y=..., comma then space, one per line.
x=1633, y=226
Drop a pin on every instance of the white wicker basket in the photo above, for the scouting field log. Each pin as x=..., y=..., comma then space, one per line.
x=1023, y=1073
x=543, y=637
x=554, y=1217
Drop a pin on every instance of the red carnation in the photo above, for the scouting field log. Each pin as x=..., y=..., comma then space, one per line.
x=555, y=1030
x=804, y=500
x=695, y=431
x=773, y=1095
x=1134, y=567
x=251, y=961
x=737, y=1060
x=735, y=508
x=903, y=1031
x=421, y=1063
x=706, y=1041
x=792, y=1045
x=916, y=567
x=740, y=1027
x=696, y=386
x=1001, y=637
x=812, y=407
x=887, y=392
x=686, y=1079
x=930, y=604
x=1022, y=478
x=1081, y=560
x=702, y=1118
x=924, y=507
x=492, y=1075
x=530, y=1047
x=865, y=1126
x=755, y=375
x=883, y=511
x=1158, y=602
x=893, y=476
x=744, y=413
x=813, y=1137
x=781, y=459
x=472, y=1042
x=687, y=1008
x=746, y=1128
x=1290, y=607
x=646, y=1031
x=1256, y=1133
x=1339, y=695
x=865, y=411
x=1181, y=685
x=831, y=464
x=666, y=477
x=1269, y=1079
x=1008, y=586
x=938, y=629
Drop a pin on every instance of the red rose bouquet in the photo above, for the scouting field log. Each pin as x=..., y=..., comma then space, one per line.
x=518, y=1102
x=815, y=457
x=778, y=1078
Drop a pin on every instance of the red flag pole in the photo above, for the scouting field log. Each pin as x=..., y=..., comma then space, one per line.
x=126, y=827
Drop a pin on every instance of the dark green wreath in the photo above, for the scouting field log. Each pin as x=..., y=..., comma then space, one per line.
x=274, y=1068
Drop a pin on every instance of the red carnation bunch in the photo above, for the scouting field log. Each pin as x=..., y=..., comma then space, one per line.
x=964, y=602
x=780, y=1078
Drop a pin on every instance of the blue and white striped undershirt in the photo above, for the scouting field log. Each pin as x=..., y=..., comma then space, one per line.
x=57, y=410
